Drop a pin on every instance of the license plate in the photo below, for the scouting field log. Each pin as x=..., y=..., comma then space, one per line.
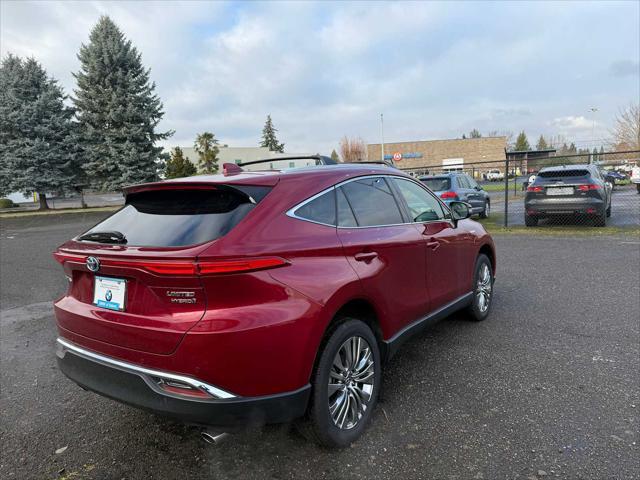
x=560, y=191
x=110, y=293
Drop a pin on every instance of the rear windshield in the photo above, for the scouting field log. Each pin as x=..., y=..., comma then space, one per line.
x=174, y=218
x=564, y=173
x=437, y=184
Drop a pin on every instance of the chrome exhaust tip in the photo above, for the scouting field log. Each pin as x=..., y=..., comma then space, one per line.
x=213, y=438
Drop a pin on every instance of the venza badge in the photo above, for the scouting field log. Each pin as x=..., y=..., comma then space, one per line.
x=93, y=264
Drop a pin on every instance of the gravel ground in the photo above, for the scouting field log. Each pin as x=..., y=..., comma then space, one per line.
x=548, y=386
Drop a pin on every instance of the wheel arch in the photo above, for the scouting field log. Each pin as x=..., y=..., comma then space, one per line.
x=489, y=251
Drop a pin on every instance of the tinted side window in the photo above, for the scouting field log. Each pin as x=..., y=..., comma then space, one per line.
x=423, y=207
x=345, y=214
x=321, y=209
x=372, y=202
x=462, y=181
x=472, y=182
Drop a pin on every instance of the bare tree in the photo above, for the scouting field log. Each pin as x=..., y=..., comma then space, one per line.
x=353, y=149
x=626, y=133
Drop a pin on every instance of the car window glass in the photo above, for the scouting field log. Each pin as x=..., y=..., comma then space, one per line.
x=372, y=202
x=462, y=181
x=321, y=209
x=423, y=207
x=472, y=182
x=345, y=214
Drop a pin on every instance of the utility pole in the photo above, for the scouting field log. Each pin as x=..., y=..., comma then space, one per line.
x=382, y=137
x=593, y=128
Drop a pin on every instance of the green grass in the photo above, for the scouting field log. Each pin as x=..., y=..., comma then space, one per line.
x=493, y=225
x=61, y=211
x=499, y=187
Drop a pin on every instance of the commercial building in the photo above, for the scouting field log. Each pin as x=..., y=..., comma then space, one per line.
x=236, y=155
x=435, y=156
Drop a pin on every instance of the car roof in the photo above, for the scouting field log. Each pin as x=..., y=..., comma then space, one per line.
x=316, y=175
x=560, y=168
x=441, y=175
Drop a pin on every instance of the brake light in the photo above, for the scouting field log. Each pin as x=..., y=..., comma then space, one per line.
x=448, y=195
x=534, y=189
x=586, y=188
x=184, y=267
x=63, y=258
x=235, y=266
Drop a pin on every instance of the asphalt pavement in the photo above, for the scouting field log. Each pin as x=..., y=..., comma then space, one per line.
x=547, y=387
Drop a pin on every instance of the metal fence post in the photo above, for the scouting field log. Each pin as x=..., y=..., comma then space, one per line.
x=506, y=193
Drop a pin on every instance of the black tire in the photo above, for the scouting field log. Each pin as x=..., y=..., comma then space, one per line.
x=638, y=187
x=530, y=221
x=477, y=312
x=486, y=211
x=318, y=425
x=609, y=210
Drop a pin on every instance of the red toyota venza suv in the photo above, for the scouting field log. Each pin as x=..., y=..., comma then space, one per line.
x=266, y=296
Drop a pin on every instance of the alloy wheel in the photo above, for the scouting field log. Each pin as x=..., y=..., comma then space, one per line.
x=483, y=288
x=351, y=382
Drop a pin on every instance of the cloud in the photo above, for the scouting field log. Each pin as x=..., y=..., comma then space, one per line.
x=623, y=68
x=328, y=69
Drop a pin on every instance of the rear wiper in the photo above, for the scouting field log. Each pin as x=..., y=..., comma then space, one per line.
x=104, y=237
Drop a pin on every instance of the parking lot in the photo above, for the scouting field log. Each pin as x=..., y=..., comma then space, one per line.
x=548, y=387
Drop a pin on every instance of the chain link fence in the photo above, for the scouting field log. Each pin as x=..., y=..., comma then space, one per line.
x=581, y=190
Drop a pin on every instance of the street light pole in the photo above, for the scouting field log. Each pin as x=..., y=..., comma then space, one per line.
x=382, y=137
x=593, y=129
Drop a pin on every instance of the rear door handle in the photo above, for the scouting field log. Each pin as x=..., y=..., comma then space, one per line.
x=365, y=256
x=433, y=245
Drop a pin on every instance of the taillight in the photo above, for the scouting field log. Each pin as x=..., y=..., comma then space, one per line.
x=535, y=188
x=448, y=195
x=235, y=266
x=183, y=267
x=586, y=188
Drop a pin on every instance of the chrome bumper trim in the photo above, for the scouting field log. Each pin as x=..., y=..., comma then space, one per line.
x=64, y=346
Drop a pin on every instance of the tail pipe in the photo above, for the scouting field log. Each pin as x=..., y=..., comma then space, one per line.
x=213, y=438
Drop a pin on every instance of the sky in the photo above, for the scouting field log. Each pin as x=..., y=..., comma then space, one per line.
x=325, y=70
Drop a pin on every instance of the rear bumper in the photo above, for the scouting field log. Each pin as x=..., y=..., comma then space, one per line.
x=138, y=386
x=564, y=206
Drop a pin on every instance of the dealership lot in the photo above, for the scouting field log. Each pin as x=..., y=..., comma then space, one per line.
x=548, y=386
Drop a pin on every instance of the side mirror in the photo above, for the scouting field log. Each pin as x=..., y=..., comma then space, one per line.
x=459, y=211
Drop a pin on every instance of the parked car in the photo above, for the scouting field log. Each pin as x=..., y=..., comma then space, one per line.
x=264, y=297
x=495, y=176
x=455, y=187
x=635, y=176
x=568, y=190
x=613, y=177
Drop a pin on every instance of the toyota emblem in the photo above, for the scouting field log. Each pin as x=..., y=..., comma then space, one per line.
x=93, y=264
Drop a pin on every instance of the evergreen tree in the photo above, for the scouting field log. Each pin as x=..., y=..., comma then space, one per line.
x=334, y=156
x=118, y=111
x=36, y=132
x=178, y=165
x=206, y=145
x=542, y=143
x=522, y=144
x=269, y=139
x=572, y=148
x=475, y=133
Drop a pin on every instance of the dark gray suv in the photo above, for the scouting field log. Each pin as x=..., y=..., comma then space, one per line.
x=452, y=187
x=568, y=190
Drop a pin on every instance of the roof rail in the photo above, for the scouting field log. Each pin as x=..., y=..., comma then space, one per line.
x=320, y=160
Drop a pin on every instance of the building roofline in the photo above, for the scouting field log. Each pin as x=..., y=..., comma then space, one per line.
x=438, y=140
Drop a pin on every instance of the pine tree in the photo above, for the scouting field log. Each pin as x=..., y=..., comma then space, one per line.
x=522, y=144
x=118, y=111
x=36, y=132
x=269, y=139
x=542, y=144
x=334, y=156
x=475, y=133
x=206, y=145
x=178, y=165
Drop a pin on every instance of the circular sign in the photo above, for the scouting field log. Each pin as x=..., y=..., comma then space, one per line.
x=397, y=156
